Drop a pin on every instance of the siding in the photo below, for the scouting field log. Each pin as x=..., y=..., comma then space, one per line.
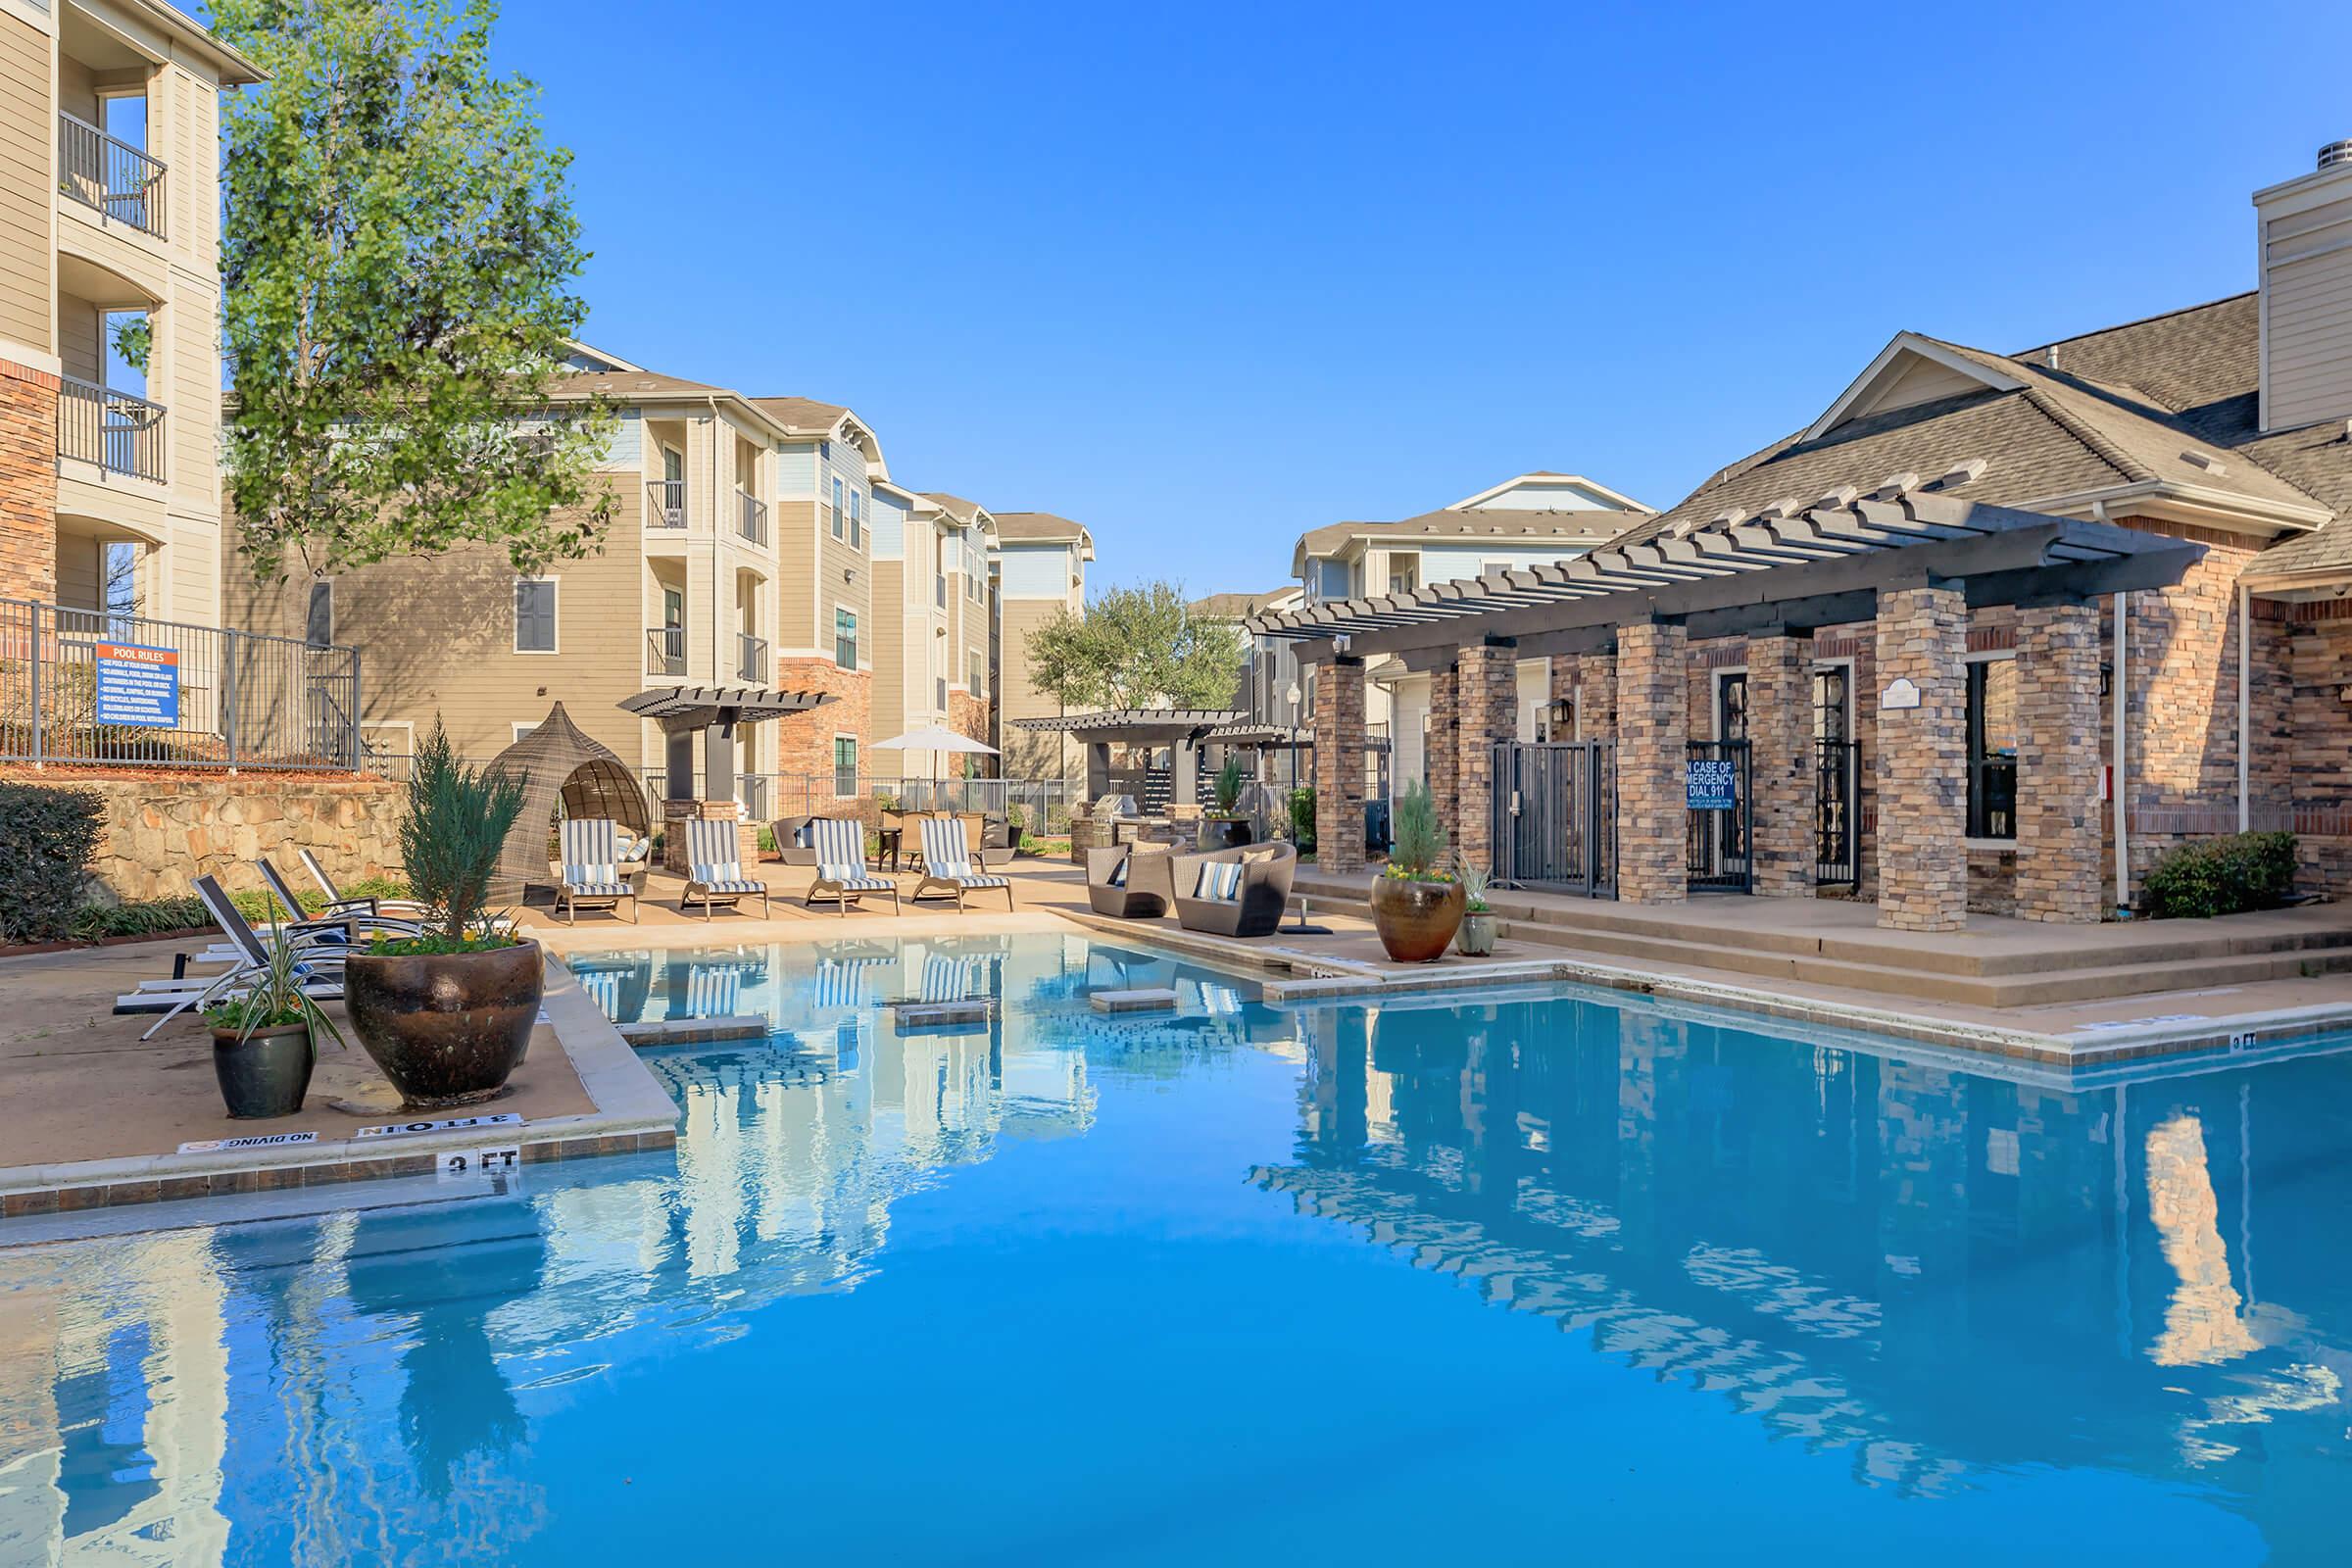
x=2307, y=287
x=796, y=574
x=1037, y=572
x=27, y=133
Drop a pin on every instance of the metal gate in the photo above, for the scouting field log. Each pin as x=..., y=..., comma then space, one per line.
x=1555, y=816
x=1718, y=860
x=1836, y=804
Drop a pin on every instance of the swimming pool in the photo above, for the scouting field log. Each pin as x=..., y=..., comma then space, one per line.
x=1502, y=1278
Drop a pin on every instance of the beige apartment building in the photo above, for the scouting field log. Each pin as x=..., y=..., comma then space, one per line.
x=933, y=611
x=1041, y=571
x=110, y=217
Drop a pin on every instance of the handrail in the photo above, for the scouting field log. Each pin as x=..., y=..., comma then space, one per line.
x=666, y=651
x=751, y=516
x=751, y=657
x=666, y=503
x=110, y=175
x=119, y=431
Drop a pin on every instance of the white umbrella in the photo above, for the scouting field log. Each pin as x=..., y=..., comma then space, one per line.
x=935, y=741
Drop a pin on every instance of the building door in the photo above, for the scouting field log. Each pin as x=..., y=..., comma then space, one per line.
x=1837, y=799
x=1731, y=729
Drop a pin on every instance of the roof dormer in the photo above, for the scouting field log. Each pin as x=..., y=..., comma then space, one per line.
x=1909, y=372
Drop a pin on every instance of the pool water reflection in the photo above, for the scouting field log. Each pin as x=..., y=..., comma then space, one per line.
x=1523, y=1278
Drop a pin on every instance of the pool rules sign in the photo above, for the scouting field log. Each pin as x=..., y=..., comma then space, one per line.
x=137, y=686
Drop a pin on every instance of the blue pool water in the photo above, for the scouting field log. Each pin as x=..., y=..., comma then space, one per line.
x=1498, y=1279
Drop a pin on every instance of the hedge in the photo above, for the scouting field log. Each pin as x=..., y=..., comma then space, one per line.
x=2221, y=877
x=48, y=838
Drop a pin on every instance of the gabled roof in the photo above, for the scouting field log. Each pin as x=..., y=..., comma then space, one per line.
x=1549, y=478
x=1044, y=528
x=1513, y=527
x=971, y=513
x=1238, y=606
x=808, y=419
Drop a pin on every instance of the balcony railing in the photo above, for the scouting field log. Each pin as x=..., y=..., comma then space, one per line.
x=939, y=592
x=751, y=518
x=751, y=657
x=109, y=175
x=666, y=651
x=117, y=432
x=665, y=503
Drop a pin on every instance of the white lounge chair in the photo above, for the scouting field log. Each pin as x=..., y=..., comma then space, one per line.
x=360, y=912
x=591, y=870
x=948, y=864
x=407, y=910
x=837, y=849
x=321, y=944
x=715, y=870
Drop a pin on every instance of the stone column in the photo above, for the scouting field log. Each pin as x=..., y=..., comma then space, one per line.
x=1596, y=696
x=1653, y=814
x=1442, y=763
x=1339, y=764
x=1922, y=760
x=1563, y=690
x=2059, y=817
x=1783, y=776
x=1487, y=691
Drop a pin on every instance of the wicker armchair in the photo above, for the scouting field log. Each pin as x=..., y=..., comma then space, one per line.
x=1143, y=888
x=1257, y=901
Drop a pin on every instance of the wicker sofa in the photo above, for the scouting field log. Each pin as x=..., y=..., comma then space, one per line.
x=1257, y=906
x=1142, y=894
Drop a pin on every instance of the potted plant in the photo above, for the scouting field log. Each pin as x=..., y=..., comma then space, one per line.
x=1416, y=905
x=1226, y=827
x=447, y=1013
x=1477, y=937
x=265, y=1039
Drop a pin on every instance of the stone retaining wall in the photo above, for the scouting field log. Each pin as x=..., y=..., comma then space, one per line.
x=162, y=834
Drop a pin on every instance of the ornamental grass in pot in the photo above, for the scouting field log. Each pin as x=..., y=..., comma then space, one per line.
x=1477, y=937
x=1416, y=905
x=1226, y=827
x=447, y=1013
x=266, y=1038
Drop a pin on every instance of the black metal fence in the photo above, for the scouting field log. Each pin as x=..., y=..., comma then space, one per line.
x=1718, y=858
x=110, y=175
x=1554, y=816
x=101, y=686
x=119, y=431
x=1837, y=813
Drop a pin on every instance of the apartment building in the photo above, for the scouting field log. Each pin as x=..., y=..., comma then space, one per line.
x=1041, y=571
x=933, y=615
x=110, y=218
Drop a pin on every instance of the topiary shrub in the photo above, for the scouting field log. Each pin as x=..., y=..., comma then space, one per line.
x=1417, y=847
x=48, y=838
x=2221, y=877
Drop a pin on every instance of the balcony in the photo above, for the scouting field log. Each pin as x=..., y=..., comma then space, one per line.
x=666, y=651
x=109, y=175
x=120, y=433
x=939, y=592
x=750, y=659
x=665, y=503
x=751, y=518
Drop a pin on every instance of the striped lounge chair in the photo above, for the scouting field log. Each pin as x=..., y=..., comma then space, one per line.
x=714, y=869
x=591, y=869
x=948, y=868
x=839, y=844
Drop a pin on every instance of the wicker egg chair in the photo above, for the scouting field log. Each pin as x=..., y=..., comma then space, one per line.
x=561, y=766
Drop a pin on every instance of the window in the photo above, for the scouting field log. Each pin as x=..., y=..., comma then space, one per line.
x=857, y=517
x=845, y=638
x=1488, y=569
x=837, y=506
x=1404, y=574
x=1333, y=580
x=520, y=728
x=845, y=766
x=939, y=590
x=1731, y=706
x=534, y=615
x=979, y=673
x=318, y=619
x=1833, y=704
x=1992, y=748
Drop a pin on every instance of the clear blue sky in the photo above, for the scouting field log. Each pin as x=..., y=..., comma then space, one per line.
x=1206, y=277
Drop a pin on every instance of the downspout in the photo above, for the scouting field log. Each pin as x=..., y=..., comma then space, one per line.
x=2245, y=690
x=2119, y=755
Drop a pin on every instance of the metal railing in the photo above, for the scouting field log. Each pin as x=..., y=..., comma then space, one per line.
x=119, y=431
x=1718, y=837
x=939, y=593
x=666, y=651
x=1044, y=805
x=666, y=503
x=1837, y=811
x=751, y=518
x=96, y=686
x=751, y=657
x=110, y=175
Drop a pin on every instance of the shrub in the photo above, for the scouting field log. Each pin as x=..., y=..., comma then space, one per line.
x=2221, y=877
x=48, y=838
x=456, y=823
x=1302, y=820
x=1418, y=846
x=1229, y=786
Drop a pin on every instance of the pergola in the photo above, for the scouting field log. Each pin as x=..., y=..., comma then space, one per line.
x=1912, y=560
x=712, y=711
x=1181, y=728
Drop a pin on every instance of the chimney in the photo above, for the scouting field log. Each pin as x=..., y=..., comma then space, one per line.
x=2304, y=230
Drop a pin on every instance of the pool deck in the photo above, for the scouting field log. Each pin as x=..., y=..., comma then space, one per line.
x=97, y=1117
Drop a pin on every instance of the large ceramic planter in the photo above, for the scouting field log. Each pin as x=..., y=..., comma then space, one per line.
x=447, y=1028
x=1476, y=937
x=1224, y=833
x=267, y=1073
x=1415, y=919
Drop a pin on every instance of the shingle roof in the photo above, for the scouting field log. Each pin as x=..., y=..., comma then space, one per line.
x=1480, y=522
x=1037, y=527
x=962, y=511
x=1234, y=607
x=804, y=413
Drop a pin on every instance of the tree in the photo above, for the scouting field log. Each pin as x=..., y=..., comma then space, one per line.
x=397, y=261
x=1135, y=647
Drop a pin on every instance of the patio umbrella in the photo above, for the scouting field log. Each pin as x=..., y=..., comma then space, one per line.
x=935, y=741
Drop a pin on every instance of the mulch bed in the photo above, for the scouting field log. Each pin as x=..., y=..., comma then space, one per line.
x=26, y=948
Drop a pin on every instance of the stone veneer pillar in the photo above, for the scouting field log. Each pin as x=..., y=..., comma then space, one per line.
x=1783, y=775
x=1596, y=696
x=1922, y=761
x=1339, y=764
x=1441, y=765
x=27, y=483
x=1654, y=724
x=675, y=815
x=1487, y=691
x=2059, y=819
x=1562, y=690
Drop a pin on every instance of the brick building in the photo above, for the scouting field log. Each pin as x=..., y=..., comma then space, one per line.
x=1992, y=633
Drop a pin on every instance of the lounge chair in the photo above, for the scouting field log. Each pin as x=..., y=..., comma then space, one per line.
x=715, y=870
x=321, y=944
x=1234, y=893
x=590, y=873
x=948, y=868
x=835, y=851
x=407, y=909
x=361, y=913
x=1129, y=881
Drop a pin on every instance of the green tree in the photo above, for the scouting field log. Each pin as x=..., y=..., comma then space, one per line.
x=1137, y=648
x=397, y=261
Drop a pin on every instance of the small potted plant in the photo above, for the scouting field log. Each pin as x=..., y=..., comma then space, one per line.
x=265, y=1039
x=447, y=1013
x=1226, y=827
x=1477, y=937
x=1416, y=905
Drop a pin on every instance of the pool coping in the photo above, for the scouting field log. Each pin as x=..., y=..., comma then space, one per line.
x=633, y=1114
